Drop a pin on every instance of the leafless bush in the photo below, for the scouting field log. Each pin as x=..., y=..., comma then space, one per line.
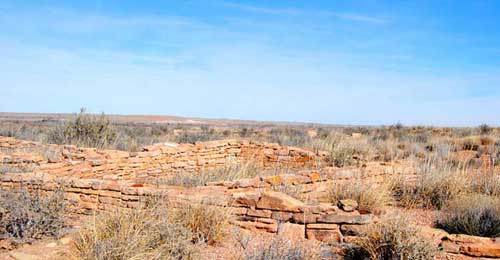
x=26, y=216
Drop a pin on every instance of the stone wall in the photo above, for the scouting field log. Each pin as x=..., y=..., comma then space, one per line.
x=153, y=161
x=256, y=209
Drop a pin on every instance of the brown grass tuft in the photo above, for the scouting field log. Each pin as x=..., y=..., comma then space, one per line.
x=392, y=239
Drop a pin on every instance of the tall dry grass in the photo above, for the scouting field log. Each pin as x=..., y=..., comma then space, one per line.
x=157, y=231
x=369, y=196
x=392, y=239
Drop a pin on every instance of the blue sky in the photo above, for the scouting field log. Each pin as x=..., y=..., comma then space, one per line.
x=342, y=62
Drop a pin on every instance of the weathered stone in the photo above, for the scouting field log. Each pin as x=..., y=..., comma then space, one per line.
x=326, y=235
x=248, y=199
x=282, y=216
x=292, y=231
x=263, y=213
x=305, y=217
x=472, y=245
x=322, y=226
x=339, y=218
x=352, y=230
x=279, y=201
x=348, y=205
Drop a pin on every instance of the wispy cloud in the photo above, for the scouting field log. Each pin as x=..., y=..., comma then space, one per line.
x=354, y=17
x=359, y=18
x=260, y=9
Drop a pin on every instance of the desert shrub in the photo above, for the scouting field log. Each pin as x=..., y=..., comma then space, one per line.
x=208, y=224
x=85, y=130
x=135, y=234
x=368, y=196
x=26, y=216
x=476, y=214
x=280, y=248
x=391, y=239
x=484, y=129
x=432, y=190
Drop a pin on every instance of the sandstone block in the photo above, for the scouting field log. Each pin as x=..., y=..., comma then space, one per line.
x=348, y=205
x=247, y=199
x=263, y=213
x=340, y=218
x=305, y=217
x=323, y=226
x=325, y=235
x=292, y=231
x=279, y=201
x=282, y=216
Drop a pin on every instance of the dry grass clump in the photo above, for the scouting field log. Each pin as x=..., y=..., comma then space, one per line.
x=487, y=184
x=155, y=232
x=226, y=173
x=26, y=216
x=342, y=149
x=474, y=214
x=369, y=196
x=229, y=172
x=207, y=224
x=280, y=248
x=295, y=191
x=432, y=190
x=85, y=130
x=391, y=239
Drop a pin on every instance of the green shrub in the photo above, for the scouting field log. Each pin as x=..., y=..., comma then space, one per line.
x=484, y=129
x=476, y=214
x=85, y=130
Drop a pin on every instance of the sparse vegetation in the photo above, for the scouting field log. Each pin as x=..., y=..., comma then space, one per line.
x=392, y=239
x=432, y=190
x=280, y=248
x=369, y=197
x=229, y=172
x=155, y=232
x=85, y=130
x=26, y=216
x=208, y=224
x=473, y=214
